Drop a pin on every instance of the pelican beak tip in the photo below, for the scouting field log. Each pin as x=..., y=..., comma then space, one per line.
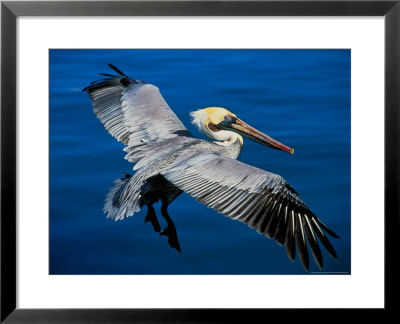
x=291, y=151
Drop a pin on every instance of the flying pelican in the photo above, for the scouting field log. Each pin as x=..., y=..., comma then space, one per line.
x=169, y=160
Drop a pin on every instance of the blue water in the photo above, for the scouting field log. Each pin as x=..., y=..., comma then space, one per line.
x=299, y=97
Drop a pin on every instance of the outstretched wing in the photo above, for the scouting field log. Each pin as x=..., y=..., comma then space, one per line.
x=134, y=112
x=262, y=200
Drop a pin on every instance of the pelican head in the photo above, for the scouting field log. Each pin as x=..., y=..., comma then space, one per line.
x=220, y=124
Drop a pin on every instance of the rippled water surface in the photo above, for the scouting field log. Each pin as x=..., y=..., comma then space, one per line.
x=300, y=97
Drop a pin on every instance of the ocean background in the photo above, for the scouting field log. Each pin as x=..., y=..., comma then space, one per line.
x=302, y=98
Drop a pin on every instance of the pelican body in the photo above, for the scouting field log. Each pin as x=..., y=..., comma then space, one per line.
x=169, y=161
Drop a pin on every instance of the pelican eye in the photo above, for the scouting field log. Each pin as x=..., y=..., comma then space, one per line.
x=229, y=118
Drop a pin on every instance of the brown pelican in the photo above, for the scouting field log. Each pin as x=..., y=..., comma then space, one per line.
x=169, y=160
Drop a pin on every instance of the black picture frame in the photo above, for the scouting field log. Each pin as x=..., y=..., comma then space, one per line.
x=10, y=10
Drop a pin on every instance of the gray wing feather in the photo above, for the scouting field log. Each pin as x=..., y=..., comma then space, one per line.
x=134, y=112
x=106, y=103
x=262, y=200
x=147, y=116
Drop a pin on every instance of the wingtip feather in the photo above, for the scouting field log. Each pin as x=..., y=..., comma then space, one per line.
x=117, y=70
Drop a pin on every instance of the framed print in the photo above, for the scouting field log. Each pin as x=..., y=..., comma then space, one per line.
x=211, y=67
x=86, y=216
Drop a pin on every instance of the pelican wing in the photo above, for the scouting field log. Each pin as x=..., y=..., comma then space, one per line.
x=134, y=112
x=262, y=200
